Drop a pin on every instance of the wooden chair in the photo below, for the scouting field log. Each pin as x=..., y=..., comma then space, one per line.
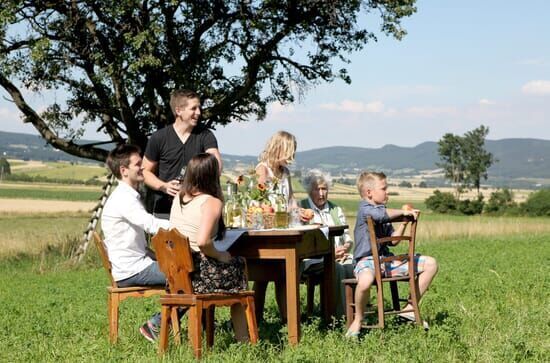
x=115, y=294
x=175, y=260
x=411, y=279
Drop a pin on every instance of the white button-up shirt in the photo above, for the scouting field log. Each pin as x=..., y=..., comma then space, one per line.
x=124, y=221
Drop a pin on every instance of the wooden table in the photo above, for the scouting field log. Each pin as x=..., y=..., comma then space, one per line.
x=266, y=250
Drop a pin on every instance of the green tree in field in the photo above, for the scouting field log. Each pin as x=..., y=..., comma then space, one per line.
x=477, y=159
x=451, y=153
x=114, y=63
x=465, y=159
x=4, y=167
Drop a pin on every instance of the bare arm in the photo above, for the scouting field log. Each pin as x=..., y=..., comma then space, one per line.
x=152, y=181
x=211, y=213
x=214, y=151
x=262, y=174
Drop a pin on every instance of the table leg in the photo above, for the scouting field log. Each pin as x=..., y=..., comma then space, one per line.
x=292, y=297
x=328, y=286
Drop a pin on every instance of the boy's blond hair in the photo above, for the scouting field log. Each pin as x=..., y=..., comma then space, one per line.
x=369, y=179
x=281, y=146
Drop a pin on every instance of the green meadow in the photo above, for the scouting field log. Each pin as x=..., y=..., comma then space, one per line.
x=489, y=302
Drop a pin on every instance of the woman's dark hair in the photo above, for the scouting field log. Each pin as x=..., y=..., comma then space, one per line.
x=203, y=175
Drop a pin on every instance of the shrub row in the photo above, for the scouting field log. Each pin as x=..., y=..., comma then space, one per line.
x=500, y=202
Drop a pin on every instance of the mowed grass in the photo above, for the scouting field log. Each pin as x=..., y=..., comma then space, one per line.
x=31, y=234
x=49, y=194
x=62, y=170
x=489, y=303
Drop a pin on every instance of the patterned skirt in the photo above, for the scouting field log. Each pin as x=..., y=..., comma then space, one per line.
x=212, y=276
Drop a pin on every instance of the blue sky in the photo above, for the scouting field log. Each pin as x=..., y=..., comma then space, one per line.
x=462, y=64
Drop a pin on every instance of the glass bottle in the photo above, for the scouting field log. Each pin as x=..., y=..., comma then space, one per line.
x=229, y=206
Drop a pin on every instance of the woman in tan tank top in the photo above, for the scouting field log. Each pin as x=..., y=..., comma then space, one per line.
x=196, y=213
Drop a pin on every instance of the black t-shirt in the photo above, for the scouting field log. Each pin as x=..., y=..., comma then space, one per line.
x=171, y=155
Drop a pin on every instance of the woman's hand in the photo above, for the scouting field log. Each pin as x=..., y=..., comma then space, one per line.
x=306, y=214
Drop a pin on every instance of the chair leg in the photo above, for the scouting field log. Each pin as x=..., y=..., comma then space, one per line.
x=350, y=311
x=251, y=320
x=310, y=296
x=210, y=312
x=176, y=329
x=113, y=301
x=195, y=328
x=415, y=294
x=380, y=304
x=164, y=316
x=395, y=295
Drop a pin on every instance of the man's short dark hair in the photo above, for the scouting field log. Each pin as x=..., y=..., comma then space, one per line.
x=120, y=156
x=179, y=97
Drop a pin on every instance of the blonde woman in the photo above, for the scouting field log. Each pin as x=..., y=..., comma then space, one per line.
x=274, y=160
x=273, y=164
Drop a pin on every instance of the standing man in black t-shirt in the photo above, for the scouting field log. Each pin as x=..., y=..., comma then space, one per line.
x=170, y=148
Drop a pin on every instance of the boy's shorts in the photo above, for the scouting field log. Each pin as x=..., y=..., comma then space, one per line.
x=390, y=269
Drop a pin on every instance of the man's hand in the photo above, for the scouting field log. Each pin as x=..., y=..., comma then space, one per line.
x=223, y=256
x=171, y=188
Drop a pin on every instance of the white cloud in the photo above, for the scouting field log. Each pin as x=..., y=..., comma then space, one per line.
x=533, y=62
x=538, y=87
x=431, y=111
x=486, y=102
x=277, y=107
x=355, y=106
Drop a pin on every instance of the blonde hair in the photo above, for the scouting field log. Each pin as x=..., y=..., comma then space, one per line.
x=369, y=179
x=281, y=146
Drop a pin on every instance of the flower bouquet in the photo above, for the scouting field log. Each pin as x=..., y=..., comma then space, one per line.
x=257, y=201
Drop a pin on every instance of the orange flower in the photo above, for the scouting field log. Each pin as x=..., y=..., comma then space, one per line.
x=261, y=187
x=240, y=180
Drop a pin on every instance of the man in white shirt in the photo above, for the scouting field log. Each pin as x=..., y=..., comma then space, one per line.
x=327, y=213
x=124, y=222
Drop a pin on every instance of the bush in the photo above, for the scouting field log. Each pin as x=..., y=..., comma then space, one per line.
x=405, y=184
x=500, y=202
x=422, y=184
x=471, y=207
x=442, y=202
x=537, y=204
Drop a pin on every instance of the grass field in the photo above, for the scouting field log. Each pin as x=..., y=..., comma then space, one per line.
x=488, y=303
x=60, y=170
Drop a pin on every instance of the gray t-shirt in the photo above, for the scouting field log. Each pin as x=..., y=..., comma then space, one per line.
x=361, y=233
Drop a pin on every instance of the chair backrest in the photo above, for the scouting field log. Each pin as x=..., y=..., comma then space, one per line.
x=175, y=260
x=104, y=257
x=375, y=242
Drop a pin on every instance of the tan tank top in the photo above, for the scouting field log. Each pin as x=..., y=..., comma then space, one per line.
x=186, y=218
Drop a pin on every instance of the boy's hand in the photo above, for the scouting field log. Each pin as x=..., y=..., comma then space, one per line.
x=408, y=210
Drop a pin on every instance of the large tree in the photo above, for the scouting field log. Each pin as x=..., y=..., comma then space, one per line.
x=114, y=63
x=464, y=159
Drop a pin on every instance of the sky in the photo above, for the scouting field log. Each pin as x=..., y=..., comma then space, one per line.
x=462, y=64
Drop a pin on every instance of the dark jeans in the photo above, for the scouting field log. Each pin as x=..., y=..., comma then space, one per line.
x=150, y=276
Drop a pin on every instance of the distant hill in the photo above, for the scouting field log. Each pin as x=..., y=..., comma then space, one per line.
x=517, y=158
x=521, y=162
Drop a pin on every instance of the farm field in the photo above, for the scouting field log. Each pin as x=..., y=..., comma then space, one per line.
x=59, y=170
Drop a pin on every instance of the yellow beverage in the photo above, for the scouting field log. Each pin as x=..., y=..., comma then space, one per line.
x=281, y=219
